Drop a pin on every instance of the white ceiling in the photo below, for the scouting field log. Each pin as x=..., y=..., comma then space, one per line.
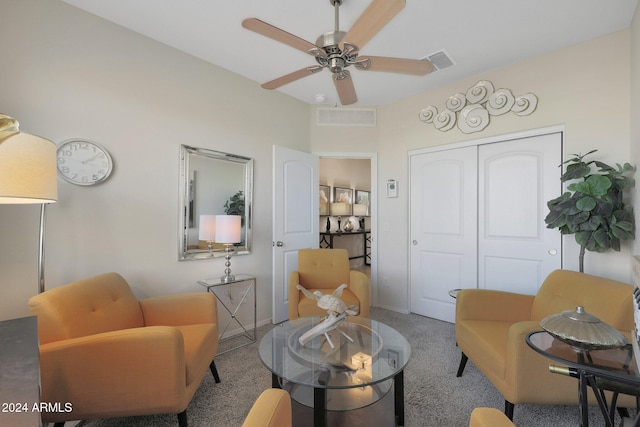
x=478, y=35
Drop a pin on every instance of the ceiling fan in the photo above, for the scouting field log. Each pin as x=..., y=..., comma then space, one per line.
x=337, y=50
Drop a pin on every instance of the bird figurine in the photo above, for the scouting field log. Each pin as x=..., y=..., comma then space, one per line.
x=337, y=311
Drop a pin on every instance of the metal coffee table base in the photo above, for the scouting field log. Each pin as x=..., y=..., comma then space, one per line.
x=320, y=410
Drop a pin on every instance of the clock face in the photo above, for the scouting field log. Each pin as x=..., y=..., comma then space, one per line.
x=83, y=162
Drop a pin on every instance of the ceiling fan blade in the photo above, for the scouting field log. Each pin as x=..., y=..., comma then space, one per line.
x=375, y=16
x=277, y=34
x=346, y=91
x=291, y=77
x=416, y=67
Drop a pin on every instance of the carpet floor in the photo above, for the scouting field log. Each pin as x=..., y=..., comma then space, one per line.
x=434, y=396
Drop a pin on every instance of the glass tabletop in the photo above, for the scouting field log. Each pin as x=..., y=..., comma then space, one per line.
x=614, y=363
x=364, y=352
x=217, y=281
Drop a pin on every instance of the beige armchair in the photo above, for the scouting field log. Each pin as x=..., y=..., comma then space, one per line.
x=324, y=270
x=109, y=355
x=491, y=327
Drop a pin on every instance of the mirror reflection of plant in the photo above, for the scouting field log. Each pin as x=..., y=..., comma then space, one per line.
x=235, y=205
x=593, y=209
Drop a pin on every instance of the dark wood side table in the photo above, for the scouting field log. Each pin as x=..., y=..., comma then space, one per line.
x=326, y=241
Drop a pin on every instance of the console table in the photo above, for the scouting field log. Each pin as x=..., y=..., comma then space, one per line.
x=244, y=284
x=326, y=241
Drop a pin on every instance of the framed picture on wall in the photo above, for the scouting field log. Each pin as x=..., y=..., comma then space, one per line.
x=324, y=193
x=362, y=203
x=342, y=201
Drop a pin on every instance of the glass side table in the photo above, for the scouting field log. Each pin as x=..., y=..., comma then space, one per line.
x=611, y=369
x=224, y=292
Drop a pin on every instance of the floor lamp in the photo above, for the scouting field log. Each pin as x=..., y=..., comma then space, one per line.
x=27, y=175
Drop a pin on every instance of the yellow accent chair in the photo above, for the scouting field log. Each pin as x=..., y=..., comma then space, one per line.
x=489, y=417
x=109, y=355
x=491, y=327
x=324, y=270
x=271, y=409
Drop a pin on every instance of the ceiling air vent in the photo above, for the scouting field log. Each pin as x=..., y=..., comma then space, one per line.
x=346, y=117
x=440, y=60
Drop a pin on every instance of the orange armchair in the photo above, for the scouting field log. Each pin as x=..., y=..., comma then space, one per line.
x=107, y=354
x=489, y=417
x=324, y=270
x=491, y=327
x=271, y=409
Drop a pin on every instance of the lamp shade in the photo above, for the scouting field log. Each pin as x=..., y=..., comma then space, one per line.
x=359, y=209
x=207, y=229
x=27, y=169
x=228, y=229
x=340, y=208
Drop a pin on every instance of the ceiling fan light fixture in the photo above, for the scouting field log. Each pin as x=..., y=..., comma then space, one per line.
x=330, y=40
x=337, y=49
x=336, y=64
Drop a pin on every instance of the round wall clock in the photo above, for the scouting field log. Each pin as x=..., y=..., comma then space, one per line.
x=83, y=162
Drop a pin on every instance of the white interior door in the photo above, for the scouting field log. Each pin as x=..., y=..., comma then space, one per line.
x=295, y=218
x=477, y=220
x=516, y=179
x=443, y=229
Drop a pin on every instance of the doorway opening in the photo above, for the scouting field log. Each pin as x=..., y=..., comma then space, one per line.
x=348, y=182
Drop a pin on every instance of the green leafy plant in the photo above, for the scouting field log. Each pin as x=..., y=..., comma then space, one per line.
x=593, y=209
x=235, y=204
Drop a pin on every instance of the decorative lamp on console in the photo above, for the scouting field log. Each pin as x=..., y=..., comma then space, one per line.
x=228, y=231
x=360, y=209
x=340, y=209
x=27, y=175
x=207, y=230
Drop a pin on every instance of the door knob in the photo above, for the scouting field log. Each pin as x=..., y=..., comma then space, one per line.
x=279, y=244
x=415, y=242
x=552, y=251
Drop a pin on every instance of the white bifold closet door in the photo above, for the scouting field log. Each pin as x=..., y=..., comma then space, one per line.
x=477, y=220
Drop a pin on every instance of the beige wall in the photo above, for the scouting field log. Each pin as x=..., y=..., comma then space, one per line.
x=584, y=87
x=346, y=173
x=67, y=74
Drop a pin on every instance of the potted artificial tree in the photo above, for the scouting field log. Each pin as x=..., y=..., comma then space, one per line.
x=235, y=205
x=593, y=209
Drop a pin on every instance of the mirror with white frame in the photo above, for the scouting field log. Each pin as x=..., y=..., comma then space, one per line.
x=212, y=183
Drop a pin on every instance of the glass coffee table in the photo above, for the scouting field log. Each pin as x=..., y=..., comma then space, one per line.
x=355, y=367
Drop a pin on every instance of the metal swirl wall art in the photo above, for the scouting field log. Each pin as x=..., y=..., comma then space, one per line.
x=472, y=111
